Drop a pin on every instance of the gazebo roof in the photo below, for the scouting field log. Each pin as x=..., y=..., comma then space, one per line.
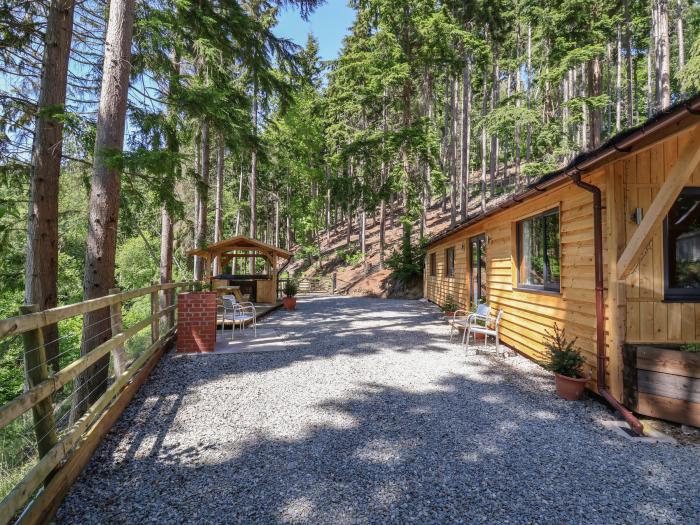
x=240, y=242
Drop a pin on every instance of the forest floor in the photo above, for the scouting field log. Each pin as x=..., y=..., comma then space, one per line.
x=365, y=278
x=370, y=415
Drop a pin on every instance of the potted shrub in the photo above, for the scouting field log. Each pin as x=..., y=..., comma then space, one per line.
x=290, y=290
x=566, y=361
x=450, y=307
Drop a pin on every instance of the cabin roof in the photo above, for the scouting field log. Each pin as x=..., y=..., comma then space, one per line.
x=673, y=119
x=240, y=242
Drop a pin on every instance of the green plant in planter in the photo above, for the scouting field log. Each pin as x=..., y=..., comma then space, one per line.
x=691, y=347
x=564, y=358
x=450, y=305
x=290, y=288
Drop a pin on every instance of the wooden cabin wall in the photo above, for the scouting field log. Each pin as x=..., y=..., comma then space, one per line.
x=527, y=313
x=648, y=318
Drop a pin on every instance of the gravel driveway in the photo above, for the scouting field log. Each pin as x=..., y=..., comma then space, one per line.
x=371, y=416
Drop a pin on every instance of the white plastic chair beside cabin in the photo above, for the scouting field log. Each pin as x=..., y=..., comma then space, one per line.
x=238, y=313
x=487, y=325
x=460, y=319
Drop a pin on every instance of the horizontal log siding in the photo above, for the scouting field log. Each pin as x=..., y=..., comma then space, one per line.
x=649, y=319
x=527, y=314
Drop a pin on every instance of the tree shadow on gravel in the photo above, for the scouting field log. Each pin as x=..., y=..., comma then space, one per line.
x=492, y=448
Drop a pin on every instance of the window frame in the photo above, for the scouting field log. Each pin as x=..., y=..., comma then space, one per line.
x=683, y=295
x=449, y=273
x=432, y=264
x=519, y=254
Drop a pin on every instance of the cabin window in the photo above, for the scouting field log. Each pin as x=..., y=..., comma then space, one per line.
x=477, y=266
x=538, y=252
x=682, y=247
x=450, y=262
x=432, y=264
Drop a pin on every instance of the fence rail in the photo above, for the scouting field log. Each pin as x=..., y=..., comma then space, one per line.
x=59, y=455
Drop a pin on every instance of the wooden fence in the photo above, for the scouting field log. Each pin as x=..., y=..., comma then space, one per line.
x=61, y=453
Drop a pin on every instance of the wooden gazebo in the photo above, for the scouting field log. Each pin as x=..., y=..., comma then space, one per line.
x=261, y=287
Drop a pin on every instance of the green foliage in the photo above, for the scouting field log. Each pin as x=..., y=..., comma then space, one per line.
x=450, y=304
x=134, y=269
x=407, y=264
x=691, y=347
x=564, y=357
x=351, y=255
x=290, y=288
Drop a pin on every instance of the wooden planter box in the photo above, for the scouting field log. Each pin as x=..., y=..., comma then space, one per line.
x=663, y=383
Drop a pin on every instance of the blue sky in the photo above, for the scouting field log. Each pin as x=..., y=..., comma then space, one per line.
x=329, y=24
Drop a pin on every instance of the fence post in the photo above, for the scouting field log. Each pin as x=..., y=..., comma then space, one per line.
x=333, y=276
x=37, y=371
x=115, y=316
x=155, y=308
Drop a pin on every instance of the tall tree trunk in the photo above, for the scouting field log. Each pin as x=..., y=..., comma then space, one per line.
x=288, y=221
x=466, y=136
x=383, y=175
x=363, y=231
x=451, y=153
x=495, y=92
x=219, y=198
x=166, y=257
x=528, y=145
x=618, y=81
x=585, y=124
x=253, y=190
x=196, y=147
x=630, y=65
x=166, y=223
x=277, y=220
x=203, y=200
x=595, y=90
x=663, y=49
x=328, y=204
x=679, y=35
x=650, y=91
x=484, y=110
x=240, y=199
x=518, y=104
x=101, y=242
x=41, y=269
x=348, y=232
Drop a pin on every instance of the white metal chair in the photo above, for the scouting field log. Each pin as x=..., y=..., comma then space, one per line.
x=460, y=319
x=238, y=313
x=486, y=325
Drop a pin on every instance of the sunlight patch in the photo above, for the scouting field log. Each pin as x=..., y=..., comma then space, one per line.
x=544, y=415
x=380, y=451
x=297, y=510
x=492, y=398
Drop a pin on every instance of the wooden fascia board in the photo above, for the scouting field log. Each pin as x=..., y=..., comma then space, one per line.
x=677, y=177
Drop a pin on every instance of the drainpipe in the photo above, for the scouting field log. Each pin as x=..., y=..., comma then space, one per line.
x=631, y=420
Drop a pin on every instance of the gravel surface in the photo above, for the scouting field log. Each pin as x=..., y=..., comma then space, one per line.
x=370, y=416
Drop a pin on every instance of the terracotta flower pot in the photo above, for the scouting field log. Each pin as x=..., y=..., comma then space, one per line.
x=448, y=314
x=290, y=303
x=570, y=388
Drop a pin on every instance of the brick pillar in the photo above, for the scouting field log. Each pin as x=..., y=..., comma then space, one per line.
x=196, y=322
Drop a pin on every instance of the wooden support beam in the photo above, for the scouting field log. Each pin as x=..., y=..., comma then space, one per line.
x=677, y=177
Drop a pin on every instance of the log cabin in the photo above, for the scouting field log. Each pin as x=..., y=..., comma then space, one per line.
x=608, y=247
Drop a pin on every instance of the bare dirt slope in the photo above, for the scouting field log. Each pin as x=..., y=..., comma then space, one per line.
x=365, y=278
